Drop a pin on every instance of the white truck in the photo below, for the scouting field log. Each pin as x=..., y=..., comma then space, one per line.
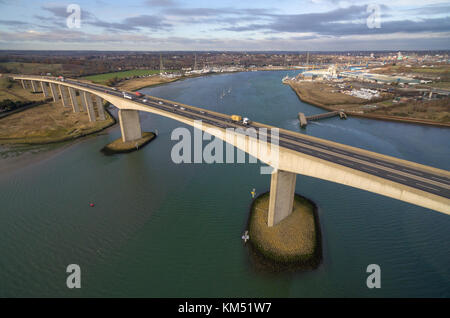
x=238, y=118
x=125, y=95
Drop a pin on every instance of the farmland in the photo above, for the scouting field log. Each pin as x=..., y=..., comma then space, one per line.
x=107, y=77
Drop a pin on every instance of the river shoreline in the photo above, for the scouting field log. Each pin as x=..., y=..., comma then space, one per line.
x=370, y=116
x=24, y=141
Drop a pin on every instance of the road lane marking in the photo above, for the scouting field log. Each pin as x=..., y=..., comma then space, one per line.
x=360, y=157
x=371, y=170
x=410, y=171
x=396, y=177
x=442, y=180
x=422, y=185
x=346, y=162
x=384, y=163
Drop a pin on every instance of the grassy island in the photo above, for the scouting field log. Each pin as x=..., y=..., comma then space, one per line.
x=294, y=243
x=118, y=146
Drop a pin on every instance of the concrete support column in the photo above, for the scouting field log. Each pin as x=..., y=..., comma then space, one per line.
x=129, y=125
x=73, y=99
x=54, y=92
x=63, y=93
x=44, y=89
x=23, y=84
x=83, y=102
x=282, y=189
x=90, y=106
x=33, y=86
x=100, y=109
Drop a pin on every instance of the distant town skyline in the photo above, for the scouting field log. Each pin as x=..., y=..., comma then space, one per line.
x=284, y=25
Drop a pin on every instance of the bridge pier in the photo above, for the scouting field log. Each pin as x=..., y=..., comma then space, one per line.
x=62, y=92
x=44, y=89
x=303, y=120
x=129, y=125
x=54, y=92
x=73, y=99
x=89, y=106
x=33, y=86
x=100, y=109
x=23, y=84
x=83, y=101
x=282, y=190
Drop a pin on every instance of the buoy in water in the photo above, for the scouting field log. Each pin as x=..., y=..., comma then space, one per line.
x=92, y=205
x=245, y=237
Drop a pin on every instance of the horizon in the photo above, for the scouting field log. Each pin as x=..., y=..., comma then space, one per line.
x=233, y=51
x=226, y=26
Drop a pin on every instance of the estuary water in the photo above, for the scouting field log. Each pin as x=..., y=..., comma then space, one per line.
x=160, y=229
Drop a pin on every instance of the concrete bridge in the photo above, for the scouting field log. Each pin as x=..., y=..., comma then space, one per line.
x=297, y=153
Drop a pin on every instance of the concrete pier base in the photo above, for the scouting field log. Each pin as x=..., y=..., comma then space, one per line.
x=130, y=125
x=100, y=109
x=54, y=92
x=282, y=189
x=44, y=89
x=74, y=101
x=63, y=93
x=90, y=106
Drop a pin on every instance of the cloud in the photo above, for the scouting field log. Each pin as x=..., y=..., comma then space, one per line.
x=432, y=9
x=146, y=21
x=152, y=22
x=343, y=21
x=12, y=22
x=161, y=3
x=229, y=28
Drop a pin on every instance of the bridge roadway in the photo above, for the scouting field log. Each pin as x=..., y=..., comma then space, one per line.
x=432, y=181
x=391, y=170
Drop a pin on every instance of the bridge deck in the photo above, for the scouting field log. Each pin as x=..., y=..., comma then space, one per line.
x=424, y=178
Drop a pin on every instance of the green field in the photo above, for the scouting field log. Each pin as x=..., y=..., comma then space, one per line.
x=103, y=78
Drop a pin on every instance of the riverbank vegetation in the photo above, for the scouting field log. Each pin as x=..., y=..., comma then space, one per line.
x=138, y=83
x=420, y=112
x=113, y=78
x=48, y=123
x=13, y=91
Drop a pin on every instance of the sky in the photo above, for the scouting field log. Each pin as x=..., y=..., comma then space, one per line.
x=231, y=25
